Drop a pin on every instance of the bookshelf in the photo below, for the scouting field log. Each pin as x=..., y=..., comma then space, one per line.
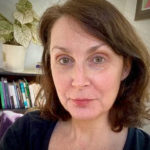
x=28, y=74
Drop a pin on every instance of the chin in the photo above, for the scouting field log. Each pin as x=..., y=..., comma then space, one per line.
x=81, y=114
x=90, y=111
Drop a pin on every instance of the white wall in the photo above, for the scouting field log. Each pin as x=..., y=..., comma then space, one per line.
x=142, y=26
x=34, y=52
x=128, y=9
x=120, y=4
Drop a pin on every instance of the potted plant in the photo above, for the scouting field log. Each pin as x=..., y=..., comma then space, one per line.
x=17, y=36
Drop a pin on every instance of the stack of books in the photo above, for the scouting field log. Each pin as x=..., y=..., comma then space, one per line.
x=17, y=94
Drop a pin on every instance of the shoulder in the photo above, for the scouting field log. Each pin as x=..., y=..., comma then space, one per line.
x=30, y=122
x=26, y=131
x=137, y=139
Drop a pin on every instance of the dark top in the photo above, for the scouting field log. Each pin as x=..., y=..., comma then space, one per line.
x=31, y=132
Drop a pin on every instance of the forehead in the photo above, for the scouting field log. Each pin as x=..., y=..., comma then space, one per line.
x=67, y=24
x=69, y=32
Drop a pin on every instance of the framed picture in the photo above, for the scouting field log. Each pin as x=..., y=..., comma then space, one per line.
x=142, y=9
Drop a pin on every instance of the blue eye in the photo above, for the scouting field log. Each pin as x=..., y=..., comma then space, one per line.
x=98, y=59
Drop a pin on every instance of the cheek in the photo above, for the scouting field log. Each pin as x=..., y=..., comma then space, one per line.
x=108, y=80
x=108, y=83
x=61, y=81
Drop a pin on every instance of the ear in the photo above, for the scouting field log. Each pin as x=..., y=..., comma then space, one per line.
x=126, y=69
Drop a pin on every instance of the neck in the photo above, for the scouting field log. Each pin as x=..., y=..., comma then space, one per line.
x=93, y=134
x=90, y=128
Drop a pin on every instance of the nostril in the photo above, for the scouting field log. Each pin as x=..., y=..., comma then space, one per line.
x=80, y=83
x=80, y=76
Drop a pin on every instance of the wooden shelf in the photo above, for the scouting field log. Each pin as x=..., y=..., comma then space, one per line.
x=29, y=74
x=22, y=111
x=26, y=72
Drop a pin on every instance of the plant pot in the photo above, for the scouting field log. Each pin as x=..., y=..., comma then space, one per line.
x=13, y=57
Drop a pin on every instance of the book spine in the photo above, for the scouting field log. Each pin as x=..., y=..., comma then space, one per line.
x=7, y=93
x=20, y=93
x=11, y=96
x=19, y=96
x=23, y=94
x=27, y=97
x=32, y=95
x=2, y=96
x=16, y=94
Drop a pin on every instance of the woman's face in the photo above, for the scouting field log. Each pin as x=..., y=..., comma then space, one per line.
x=86, y=71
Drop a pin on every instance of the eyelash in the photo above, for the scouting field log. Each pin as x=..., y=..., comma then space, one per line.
x=62, y=58
x=68, y=59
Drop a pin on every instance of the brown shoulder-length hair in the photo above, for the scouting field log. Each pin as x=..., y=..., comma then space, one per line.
x=102, y=20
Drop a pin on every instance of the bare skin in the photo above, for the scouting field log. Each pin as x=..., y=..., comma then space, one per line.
x=84, y=67
x=72, y=135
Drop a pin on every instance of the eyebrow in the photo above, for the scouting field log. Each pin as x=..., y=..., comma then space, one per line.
x=90, y=50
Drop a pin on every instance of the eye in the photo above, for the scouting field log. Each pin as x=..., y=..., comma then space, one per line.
x=64, y=60
x=98, y=59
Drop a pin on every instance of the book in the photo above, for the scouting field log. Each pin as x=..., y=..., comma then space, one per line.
x=11, y=96
x=21, y=102
x=32, y=95
x=26, y=84
x=0, y=102
x=16, y=94
x=2, y=96
x=12, y=89
x=34, y=89
x=27, y=98
x=7, y=93
x=23, y=93
x=4, y=93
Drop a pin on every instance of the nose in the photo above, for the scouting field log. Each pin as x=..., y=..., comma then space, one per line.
x=80, y=77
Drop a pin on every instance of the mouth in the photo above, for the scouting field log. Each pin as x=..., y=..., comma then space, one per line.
x=82, y=102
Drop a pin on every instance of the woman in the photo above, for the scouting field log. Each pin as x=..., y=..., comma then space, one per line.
x=95, y=82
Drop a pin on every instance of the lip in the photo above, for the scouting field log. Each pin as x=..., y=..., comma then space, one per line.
x=82, y=101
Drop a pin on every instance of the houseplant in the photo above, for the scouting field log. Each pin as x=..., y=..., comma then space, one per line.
x=17, y=36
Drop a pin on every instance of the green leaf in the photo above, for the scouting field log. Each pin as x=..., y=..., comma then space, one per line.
x=24, y=5
x=23, y=18
x=5, y=27
x=35, y=15
x=22, y=35
x=24, y=29
x=2, y=39
x=35, y=35
x=4, y=18
x=6, y=38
